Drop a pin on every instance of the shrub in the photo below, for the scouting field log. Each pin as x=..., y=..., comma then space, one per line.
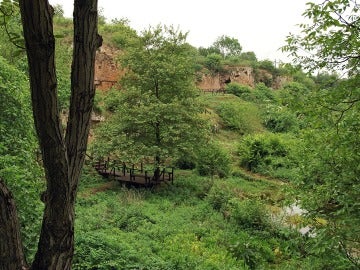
x=268, y=153
x=248, y=213
x=254, y=253
x=237, y=89
x=186, y=162
x=213, y=160
x=213, y=62
x=263, y=93
x=112, y=100
x=279, y=119
x=241, y=117
x=219, y=195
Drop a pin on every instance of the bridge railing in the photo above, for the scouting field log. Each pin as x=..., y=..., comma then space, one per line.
x=123, y=172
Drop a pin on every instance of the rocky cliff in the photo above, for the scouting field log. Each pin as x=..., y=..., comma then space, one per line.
x=107, y=70
x=240, y=74
x=108, y=73
x=215, y=81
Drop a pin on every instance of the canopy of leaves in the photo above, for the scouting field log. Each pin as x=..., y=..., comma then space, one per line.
x=331, y=39
x=11, y=33
x=17, y=150
x=119, y=33
x=328, y=185
x=157, y=113
x=228, y=46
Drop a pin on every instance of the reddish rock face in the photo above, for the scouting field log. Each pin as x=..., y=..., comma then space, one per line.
x=107, y=70
x=241, y=75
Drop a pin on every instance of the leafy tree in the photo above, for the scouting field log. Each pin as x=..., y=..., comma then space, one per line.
x=62, y=157
x=210, y=50
x=58, y=10
x=294, y=95
x=213, y=62
x=248, y=56
x=329, y=182
x=329, y=174
x=157, y=113
x=228, y=46
x=279, y=118
x=119, y=33
x=330, y=39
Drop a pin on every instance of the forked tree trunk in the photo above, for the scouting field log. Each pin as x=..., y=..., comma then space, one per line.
x=10, y=258
x=62, y=157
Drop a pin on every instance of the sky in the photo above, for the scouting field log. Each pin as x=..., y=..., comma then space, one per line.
x=260, y=26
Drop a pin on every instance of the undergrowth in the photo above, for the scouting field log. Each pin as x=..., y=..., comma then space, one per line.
x=196, y=223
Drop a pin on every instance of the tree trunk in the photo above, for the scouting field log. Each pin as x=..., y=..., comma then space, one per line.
x=62, y=158
x=11, y=248
x=86, y=42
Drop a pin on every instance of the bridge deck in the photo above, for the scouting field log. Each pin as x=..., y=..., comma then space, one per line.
x=131, y=176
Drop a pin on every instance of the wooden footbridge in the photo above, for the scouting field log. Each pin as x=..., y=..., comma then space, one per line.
x=130, y=175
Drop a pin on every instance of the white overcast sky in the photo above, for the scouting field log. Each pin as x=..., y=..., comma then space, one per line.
x=260, y=26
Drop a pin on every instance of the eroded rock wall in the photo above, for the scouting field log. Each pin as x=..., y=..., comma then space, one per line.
x=107, y=70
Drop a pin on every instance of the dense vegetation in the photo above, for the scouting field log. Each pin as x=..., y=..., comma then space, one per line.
x=245, y=159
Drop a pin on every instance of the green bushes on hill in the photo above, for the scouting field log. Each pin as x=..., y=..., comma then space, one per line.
x=242, y=117
x=269, y=154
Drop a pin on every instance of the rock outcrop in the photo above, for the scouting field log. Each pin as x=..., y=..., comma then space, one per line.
x=107, y=70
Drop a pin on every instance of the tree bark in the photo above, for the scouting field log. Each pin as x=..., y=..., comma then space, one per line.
x=10, y=258
x=86, y=42
x=62, y=157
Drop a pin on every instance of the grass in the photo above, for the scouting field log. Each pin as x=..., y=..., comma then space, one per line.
x=196, y=223
x=173, y=226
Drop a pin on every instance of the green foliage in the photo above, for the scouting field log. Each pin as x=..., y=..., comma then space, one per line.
x=17, y=152
x=263, y=93
x=237, y=89
x=294, y=95
x=207, y=51
x=186, y=161
x=63, y=70
x=242, y=117
x=112, y=99
x=248, y=214
x=330, y=38
x=219, y=194
x=248, y=56
x=196, y=223
x=171, y=228
x=267, y=65
x=254, y=253
x=157, y=115
x=213, y=62
x=329, y=177
x=119, y=34
x=328, y=182
x=268, y=153
x=58, y=10
x=228, y=46
x=213, y=160
x=11, y=39
x=279, y=119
